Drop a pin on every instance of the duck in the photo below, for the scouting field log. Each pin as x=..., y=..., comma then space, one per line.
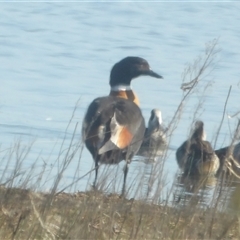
x=113, y=127
x=233, y=150
x=195, y=156
x=229, y=157
x=155, y=141
x=236, y=152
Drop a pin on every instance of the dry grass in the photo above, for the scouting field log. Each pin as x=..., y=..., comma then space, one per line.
x=94, y=215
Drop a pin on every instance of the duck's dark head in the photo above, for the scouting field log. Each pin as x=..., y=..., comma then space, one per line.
x=128, y=68
x=198, y=132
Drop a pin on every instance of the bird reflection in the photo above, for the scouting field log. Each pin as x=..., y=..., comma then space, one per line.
x=194, y=190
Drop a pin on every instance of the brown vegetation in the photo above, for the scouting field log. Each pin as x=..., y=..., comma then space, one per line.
x=94, y=215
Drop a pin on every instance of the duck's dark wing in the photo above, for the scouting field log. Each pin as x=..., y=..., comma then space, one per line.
x=193, y=150
x=201, y=150
x=230, y=154
x=236, y=152
x=182, y=154
x=113, y=123
x=222, y=154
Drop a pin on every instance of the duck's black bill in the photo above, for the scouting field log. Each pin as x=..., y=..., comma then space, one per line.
x=153, y=74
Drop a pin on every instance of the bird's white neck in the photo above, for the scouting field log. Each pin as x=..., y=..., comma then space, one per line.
x=121, y=87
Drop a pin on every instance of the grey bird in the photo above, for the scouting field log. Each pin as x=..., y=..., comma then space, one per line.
x=155, y=140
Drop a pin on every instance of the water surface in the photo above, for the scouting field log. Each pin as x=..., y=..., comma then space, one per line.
x=54, y=55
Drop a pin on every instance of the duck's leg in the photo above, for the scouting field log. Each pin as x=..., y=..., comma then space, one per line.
x=96, y=173
x=125, y=177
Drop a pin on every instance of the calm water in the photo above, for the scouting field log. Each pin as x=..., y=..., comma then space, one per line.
x=54, y=54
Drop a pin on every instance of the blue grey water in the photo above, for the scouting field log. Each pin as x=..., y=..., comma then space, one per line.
x=55, y=56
